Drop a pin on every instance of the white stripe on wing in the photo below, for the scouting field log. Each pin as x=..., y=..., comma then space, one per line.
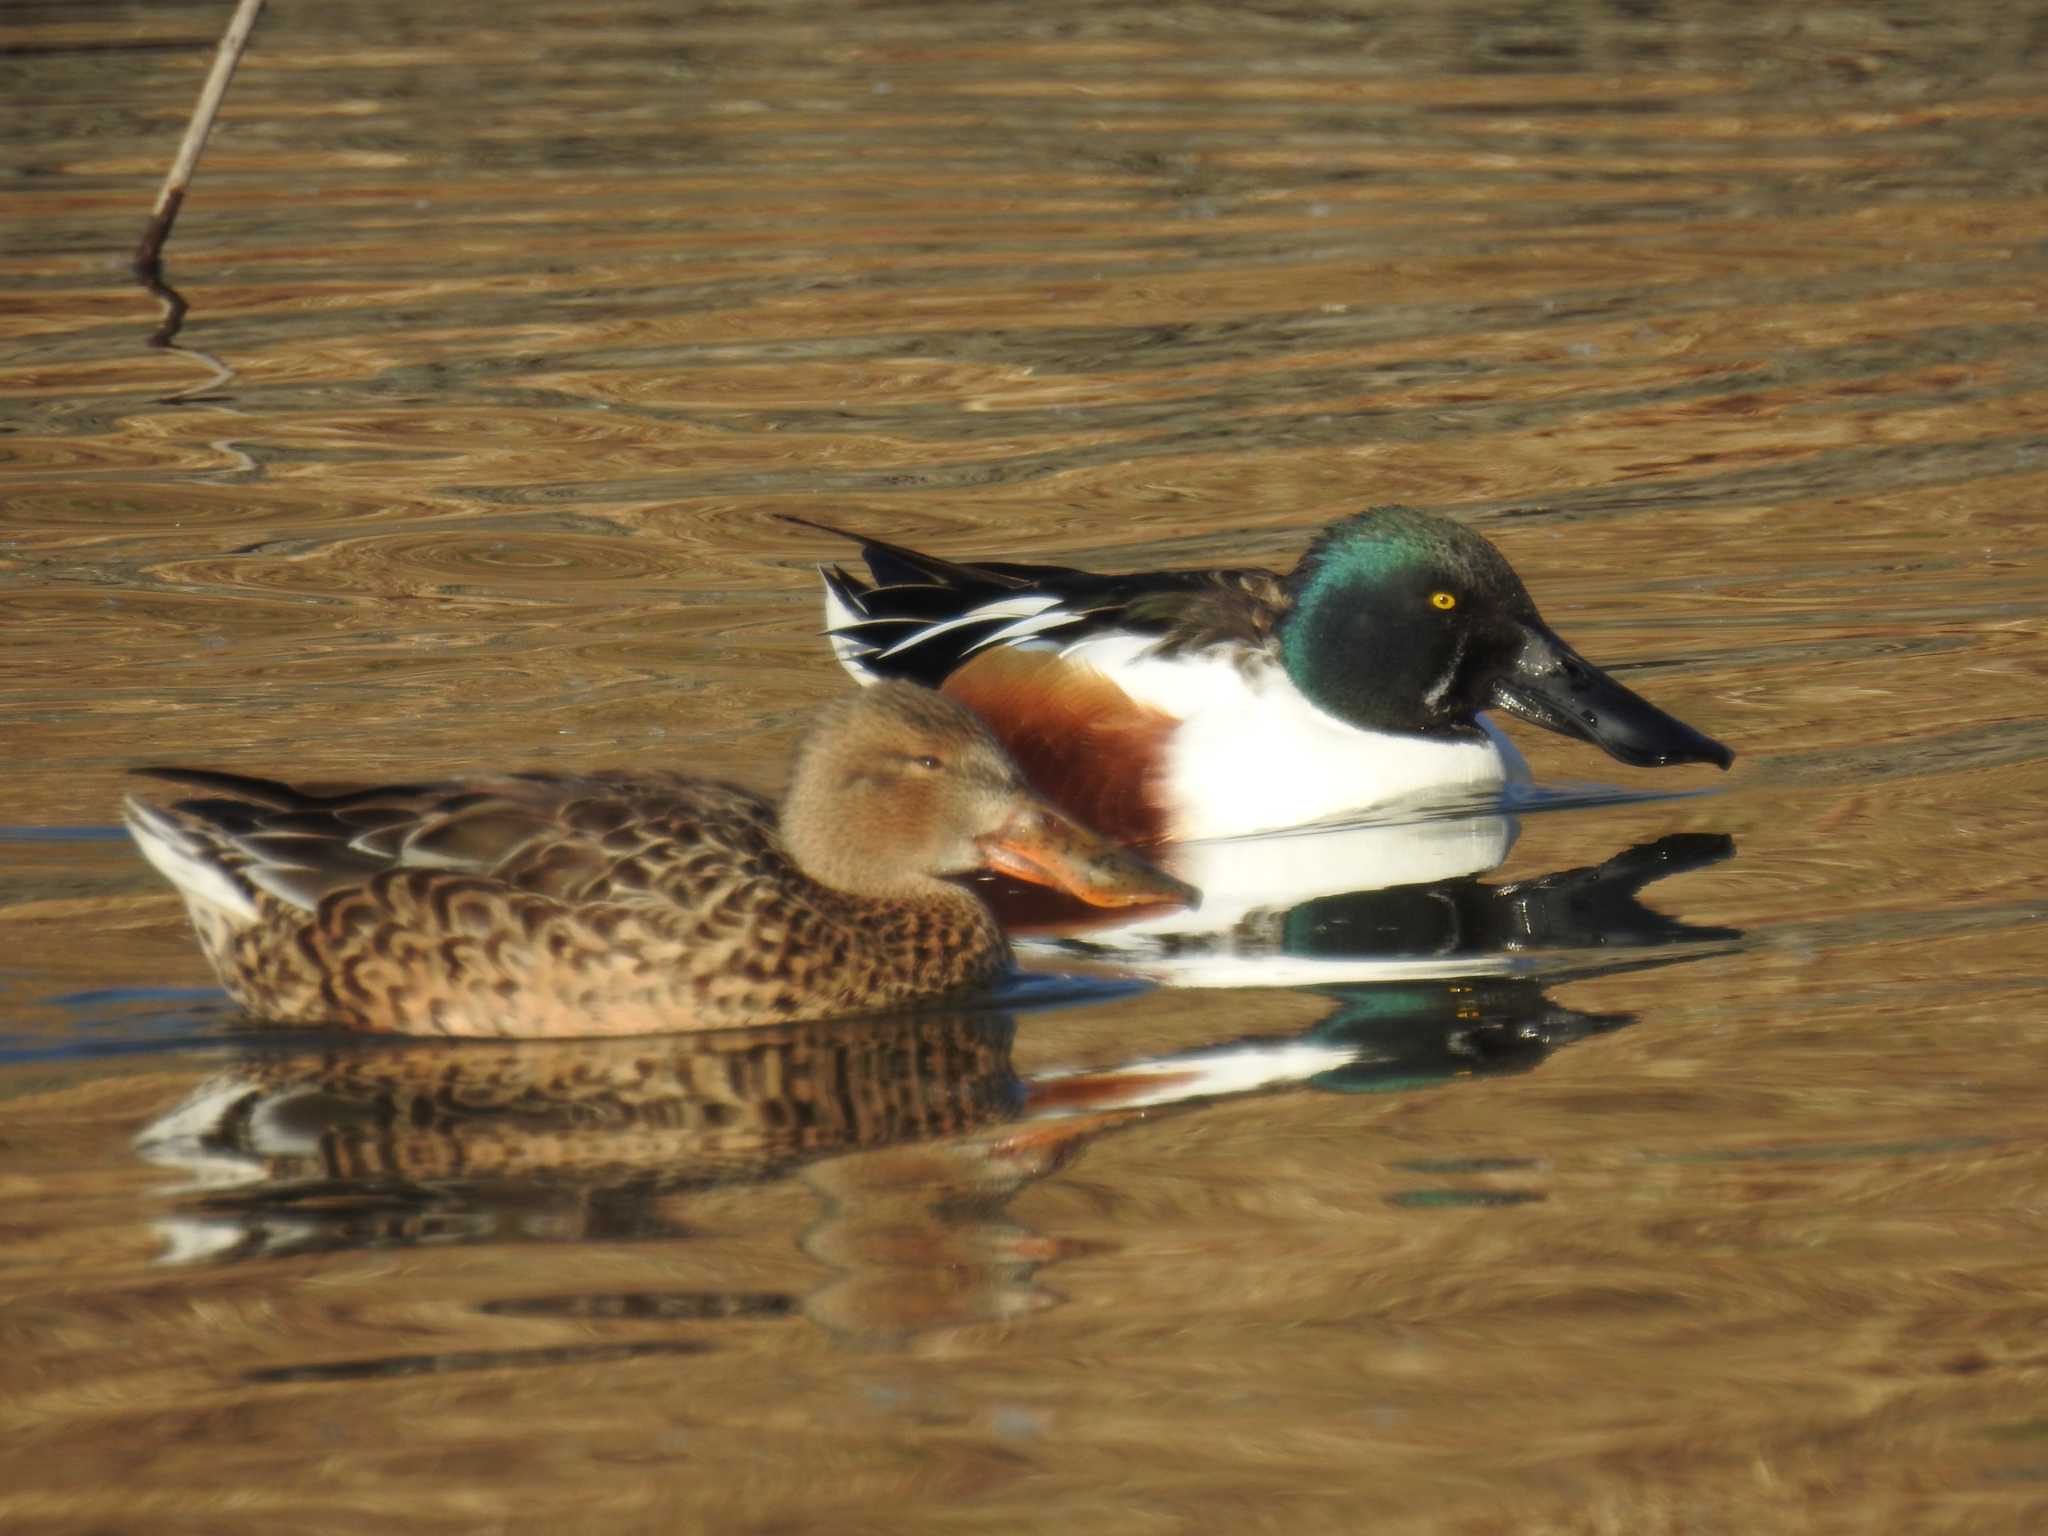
x=1023, y=606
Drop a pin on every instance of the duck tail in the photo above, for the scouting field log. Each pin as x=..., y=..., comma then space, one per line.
x=846, y=614
x=183, y=853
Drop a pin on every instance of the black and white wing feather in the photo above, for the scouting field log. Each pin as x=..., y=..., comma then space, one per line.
x=923, y=618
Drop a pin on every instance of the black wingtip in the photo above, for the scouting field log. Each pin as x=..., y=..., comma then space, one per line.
x=239, y=785
x=845, y=586
x=813, y=523
x=900, y=565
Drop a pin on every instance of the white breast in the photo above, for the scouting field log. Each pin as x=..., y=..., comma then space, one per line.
x=1252, y=753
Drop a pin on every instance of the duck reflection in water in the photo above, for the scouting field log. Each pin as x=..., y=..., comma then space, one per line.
x=912, y=1132
x=1371, y=902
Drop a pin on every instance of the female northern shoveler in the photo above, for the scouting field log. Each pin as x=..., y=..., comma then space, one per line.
x=1174, y=705
x=620, y=903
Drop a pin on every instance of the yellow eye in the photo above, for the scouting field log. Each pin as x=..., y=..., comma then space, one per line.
x=1443, y=600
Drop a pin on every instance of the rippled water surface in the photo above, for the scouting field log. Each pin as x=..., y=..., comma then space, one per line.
x=1681, y=1173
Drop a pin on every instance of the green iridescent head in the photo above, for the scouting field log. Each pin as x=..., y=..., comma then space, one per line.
x=1400, y=620
x=1404, y=621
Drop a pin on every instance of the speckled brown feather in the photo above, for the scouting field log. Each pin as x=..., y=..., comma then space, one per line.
x=1238, y=609
x=538, y=905
x=630, y=903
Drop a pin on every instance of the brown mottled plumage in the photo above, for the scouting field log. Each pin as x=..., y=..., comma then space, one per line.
x=1235, y=610
x=628, y=903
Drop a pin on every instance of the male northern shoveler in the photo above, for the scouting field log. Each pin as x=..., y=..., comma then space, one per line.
x=620, y=903
x=1175, y=705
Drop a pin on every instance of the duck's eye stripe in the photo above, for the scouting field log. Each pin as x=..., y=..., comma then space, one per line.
x=1444, y=600
x=929, y=762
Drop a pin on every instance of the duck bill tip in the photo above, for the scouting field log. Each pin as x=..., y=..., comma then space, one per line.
x=1042, y=846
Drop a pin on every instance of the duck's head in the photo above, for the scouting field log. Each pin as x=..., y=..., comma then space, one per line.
x=896, y=787
x=1403, y=621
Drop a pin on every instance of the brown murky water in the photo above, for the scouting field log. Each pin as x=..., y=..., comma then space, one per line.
x=1683, y=1174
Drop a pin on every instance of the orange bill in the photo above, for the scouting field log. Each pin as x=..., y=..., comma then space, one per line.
x=1041, y=845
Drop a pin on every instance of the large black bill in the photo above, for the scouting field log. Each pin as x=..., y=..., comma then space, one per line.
x=1553, y=686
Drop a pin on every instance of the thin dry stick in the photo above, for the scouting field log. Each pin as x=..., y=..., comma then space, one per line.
x=149, y=267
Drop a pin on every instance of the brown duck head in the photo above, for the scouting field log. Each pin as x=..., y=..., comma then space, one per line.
x=897, y=787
